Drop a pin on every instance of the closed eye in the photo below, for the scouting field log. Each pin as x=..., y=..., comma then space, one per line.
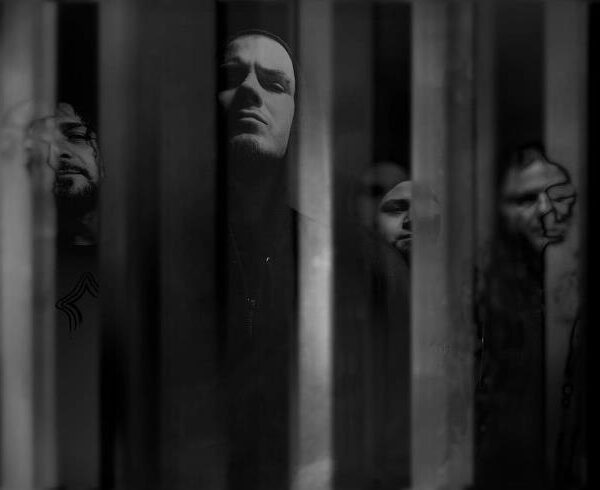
x=525, y=199
x=77, y=138
x=395, y=206
x=274, y=80
x=277, y=87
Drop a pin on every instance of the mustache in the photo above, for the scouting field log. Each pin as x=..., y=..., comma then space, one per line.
x=69, y=168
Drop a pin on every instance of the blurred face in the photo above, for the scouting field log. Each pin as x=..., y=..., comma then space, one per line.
x=257, y=95
x=71, y=153
x=537, y=203
x=374, y=184
x=393, y=217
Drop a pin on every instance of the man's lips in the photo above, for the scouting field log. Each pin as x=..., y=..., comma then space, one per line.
x=403, y=241
x=554, y=235
x=246, y=115
x=70, y=171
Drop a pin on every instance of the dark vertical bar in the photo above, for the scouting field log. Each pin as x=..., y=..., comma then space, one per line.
x=193, y=443
x=77, y=59
x=352, y=120
x=566, y=41
x=78, y=352
x=129, y=122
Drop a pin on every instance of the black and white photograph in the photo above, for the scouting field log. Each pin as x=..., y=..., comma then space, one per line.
x=297, y=244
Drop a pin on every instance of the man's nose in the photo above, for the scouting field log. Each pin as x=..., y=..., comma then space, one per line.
x=406, y=222
x=58, y=152
x=544, y=204
x=249, y=89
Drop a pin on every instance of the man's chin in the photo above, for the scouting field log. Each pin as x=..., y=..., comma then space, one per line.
x=73, y=192
x=248, y=146
x=540, y=243
x=403, y=245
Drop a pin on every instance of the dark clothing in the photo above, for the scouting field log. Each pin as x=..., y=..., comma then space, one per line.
x=77, y=340
x=261, y=307
x=370, y=360
x=510, y=396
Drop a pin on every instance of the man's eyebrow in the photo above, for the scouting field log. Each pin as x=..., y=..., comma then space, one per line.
x=390, y=203
x=66, y=126
x=273, y=72
x=231, y=60
x=399, y=199
x=524, y=192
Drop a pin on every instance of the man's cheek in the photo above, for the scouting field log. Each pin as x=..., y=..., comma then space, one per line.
x=225, y=98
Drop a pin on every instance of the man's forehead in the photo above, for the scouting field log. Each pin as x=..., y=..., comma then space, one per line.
x=535, y=177
x=61, y=120
x=257, y=48
x=402, y=191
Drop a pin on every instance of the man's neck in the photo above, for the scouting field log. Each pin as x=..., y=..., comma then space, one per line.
x=77, y=225
x=255, y=201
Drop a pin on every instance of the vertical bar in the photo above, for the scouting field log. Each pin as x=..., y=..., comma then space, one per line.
x=441, y=325
x=27, y=230
x=159, y=363
x=566, y=37
x=312, y=466
x=355, y=408
x=485, y=122
x=16, y=248
x=461, y=235
x=44, y=236
x=129, y=276
x=192, y=442
x=485, y=169
x=429, y=434
x=353, y=105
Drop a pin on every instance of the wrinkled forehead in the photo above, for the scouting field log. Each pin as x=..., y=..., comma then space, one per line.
x=261, y=50
x=403, y=190
x=54, y=127
x=536, y=177
x=59, y=121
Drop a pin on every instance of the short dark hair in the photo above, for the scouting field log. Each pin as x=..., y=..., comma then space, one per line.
x=524, y=156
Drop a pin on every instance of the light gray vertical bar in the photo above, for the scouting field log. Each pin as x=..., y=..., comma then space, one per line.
x=44, y=229
x=442, y=261
x=312, y=434
x=485, y=116
x=429, y=325
x=27, y=230
x=566, y=37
